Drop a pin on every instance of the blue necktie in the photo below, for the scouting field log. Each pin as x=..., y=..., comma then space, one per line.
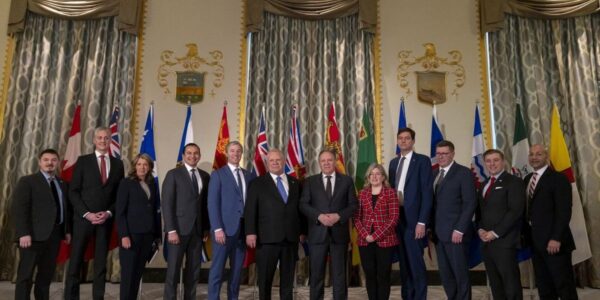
x=239, y=181
x=281, y=189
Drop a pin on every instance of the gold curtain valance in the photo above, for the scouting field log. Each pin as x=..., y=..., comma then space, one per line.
x=312, y=10
x=128, y=11
x=492, y=11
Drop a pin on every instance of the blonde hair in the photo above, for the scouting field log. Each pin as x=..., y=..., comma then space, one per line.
x=383, y=173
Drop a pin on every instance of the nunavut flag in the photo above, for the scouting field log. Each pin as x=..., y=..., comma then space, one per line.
x=332, y=140
x=561, y=162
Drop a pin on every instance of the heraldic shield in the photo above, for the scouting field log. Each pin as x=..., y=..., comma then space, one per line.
x=190, y=87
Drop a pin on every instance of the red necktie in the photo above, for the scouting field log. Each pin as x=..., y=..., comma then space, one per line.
x=489, y=189
x=103, y=169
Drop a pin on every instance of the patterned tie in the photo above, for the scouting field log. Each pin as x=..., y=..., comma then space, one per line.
x=399, y=172
x=532, y=184
x=239, y=181
x=489, y=189
x=329, y=187
x=195, y=182
x=103, y=176
x=56, y=200
x=281, y=189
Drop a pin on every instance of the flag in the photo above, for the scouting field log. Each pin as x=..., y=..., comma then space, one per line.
x=520, y=147
x=115, y=147
x=294, y=162
x=561, y=162
x=401, y=121
x=479, y=176
x=436, y=137
x=332, y=140
x=222, y=141
x=365, y=157
x=262, y=147
x=68, y=163
x=147, y=147
x=187, y=136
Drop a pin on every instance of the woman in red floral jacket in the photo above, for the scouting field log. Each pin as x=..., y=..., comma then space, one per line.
x=375, y=220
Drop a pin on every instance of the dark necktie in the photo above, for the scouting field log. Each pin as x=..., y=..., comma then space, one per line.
x=329, y=187
x=489, y=189
x=103, y=169
x=239, y=181
x=281, y=189
x=399, y=172
x=195, y=182
x=439, y=179
x=56, y=200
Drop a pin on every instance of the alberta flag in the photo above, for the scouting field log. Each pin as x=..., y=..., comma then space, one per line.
x=401, y=121
x=436, y=137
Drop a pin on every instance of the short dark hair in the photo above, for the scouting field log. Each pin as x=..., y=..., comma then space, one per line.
x=330, y=150
x=406, y=129
x=493, y=151
x=190, y=145
x=445, y=143
x=48, y=151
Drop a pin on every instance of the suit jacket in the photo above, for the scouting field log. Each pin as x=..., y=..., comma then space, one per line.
x=502, y=210
x=34, y=208
x=268, y=217
x=315, y=201
x=87, y=193
x=136, y=212
x=454, y=203
x=180, y=207
x=549, y=211
x=225, y=200
x=379, y=221
x=418, y=192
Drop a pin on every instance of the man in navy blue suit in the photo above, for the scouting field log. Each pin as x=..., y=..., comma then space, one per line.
x=454, y=205
x=410, y=175
x=226, y=199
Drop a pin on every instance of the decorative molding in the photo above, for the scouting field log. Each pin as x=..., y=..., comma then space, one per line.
x=486, y=108
x=137, y=94
x=378, y=107
x=9, y=53
x=243, y=78
x=430, y=62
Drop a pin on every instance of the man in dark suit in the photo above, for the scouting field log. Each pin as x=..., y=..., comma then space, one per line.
x=410, y=175
x=548, y=215
x=454, y=204
x=41, y=216
x=226, y=200
x=328, y=202
x=93, y=192
x=500, y=211
x=184, y=207
x=274, y=226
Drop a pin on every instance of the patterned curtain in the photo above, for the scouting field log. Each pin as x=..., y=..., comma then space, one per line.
x=541, y=62
x=311, y=64
x=56, y=64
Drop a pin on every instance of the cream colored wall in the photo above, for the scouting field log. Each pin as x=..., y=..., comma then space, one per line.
x=450, y=25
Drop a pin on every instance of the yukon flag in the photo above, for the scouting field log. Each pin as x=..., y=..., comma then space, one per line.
x=479, y=176
x=332, y=140
x=561, y=162
x=436, y=137
x=401, y=121
x=69, y=159
x=294, y=162
x=520, y=148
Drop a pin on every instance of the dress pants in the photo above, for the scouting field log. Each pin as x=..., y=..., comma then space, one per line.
x=554, y=275
x=318, y=262
x=376, y=262
x=83, y=231
x=453, y=263
x=43, y=256
x=412, y=266
x=190, y=246
x=133, y=263
x=503, y=273
x=267, y=257
x=235, y=250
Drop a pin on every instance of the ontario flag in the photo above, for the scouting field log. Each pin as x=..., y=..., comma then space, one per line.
x=222, y=141
x=68, y=164
x=332, y=140
x=561, y=162
x=294, y=162
x=262, y=147
x=436, y=137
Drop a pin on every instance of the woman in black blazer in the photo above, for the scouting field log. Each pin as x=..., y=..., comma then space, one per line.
x=138, y=223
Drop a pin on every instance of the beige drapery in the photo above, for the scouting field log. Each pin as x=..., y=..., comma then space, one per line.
x=312, y=10
x=128, y=12
x=492, y=11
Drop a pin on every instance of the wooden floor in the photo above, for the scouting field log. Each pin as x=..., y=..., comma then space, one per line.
x=153, y=291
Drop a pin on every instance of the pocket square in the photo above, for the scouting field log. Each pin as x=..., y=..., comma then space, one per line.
x=498, y=187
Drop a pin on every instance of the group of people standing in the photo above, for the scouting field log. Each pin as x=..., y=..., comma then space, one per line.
x=272, y=213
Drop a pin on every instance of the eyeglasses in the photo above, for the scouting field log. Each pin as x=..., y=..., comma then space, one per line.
x=442, y=153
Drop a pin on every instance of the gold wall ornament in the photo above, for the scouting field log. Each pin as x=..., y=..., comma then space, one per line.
x=191, y=71
x=431, y=84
